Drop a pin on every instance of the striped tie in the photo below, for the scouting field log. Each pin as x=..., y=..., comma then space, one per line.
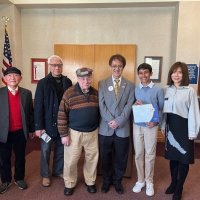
x=116, y=87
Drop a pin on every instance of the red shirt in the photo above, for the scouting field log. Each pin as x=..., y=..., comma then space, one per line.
x=15, y=119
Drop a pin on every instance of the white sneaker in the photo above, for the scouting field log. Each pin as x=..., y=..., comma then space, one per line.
x=149, y=189
x=138, y=187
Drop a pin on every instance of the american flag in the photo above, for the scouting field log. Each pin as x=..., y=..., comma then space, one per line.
x=7, y=57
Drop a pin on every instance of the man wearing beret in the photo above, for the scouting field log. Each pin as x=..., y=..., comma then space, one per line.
x=16, y=122
x=78, y=120
x=48, y=95
x=116, y=96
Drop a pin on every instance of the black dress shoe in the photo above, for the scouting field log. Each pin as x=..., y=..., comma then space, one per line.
x=91, y=188
x=118, y=188
x=105, y=187
x=170, y=189
x=68, y=191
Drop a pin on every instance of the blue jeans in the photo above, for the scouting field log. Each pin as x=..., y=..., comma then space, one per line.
x=58, y=159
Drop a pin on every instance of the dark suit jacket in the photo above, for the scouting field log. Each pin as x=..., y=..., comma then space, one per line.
x=46, y=104
x=112, y=108
x=26, y=107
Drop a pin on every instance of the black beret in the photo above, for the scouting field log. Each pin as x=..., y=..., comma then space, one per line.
x=10, y=70
x=84, y=71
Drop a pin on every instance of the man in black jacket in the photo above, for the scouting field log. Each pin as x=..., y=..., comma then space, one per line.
x=48, y=95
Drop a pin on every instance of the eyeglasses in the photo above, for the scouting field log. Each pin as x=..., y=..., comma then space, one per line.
x=117, y=66
x=56, y=65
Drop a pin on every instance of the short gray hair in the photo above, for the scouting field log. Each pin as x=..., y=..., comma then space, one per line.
x=54, y=56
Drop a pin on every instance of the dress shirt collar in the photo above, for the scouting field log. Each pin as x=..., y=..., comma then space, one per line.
x=11, y=90
x=113, y=80
x=151, y=84
x=180, y=87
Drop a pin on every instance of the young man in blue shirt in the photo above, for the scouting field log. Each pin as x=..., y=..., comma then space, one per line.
x=145, y=134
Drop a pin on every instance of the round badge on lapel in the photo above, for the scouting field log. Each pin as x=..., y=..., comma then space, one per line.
x=110, y=88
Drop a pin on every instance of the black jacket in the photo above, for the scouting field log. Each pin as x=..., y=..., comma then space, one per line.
x=46, y=104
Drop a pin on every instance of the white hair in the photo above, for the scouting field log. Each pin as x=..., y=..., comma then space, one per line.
x=54, y=56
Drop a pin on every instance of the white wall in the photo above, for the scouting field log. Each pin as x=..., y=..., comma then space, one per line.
x=188, y=37
x=14, y=32
x=5, y=10
x=171, y=32
x=151, y=29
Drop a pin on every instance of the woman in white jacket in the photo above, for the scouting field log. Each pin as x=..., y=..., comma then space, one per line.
x=181, y=126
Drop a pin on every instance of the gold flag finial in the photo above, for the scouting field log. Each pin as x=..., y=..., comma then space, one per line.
x=5, y=19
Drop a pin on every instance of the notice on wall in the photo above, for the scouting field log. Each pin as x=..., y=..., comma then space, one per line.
x=193, y=73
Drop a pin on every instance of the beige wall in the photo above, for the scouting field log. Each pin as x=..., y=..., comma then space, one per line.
x=151, y=29
x=14, y=32
x=171, y=32
x=188, y=37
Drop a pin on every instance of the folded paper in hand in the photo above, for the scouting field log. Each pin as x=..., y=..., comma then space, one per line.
x=45, y=137
x=145, y=113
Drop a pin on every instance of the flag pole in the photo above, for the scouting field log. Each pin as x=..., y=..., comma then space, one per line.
x=7, y=57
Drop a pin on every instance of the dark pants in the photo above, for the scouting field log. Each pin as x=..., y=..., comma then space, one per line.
x=179, y=173
x=16, y=142
x=114, y=156
x=0, y=165
x=58, y=158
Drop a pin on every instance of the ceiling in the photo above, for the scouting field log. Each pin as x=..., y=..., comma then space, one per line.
x=87, y=3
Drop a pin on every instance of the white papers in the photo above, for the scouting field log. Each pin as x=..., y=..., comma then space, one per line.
x=45, y=137
x=144, y=113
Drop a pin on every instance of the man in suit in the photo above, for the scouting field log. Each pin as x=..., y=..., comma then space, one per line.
x=48, y=96
x=16, y=122
x=116, y=96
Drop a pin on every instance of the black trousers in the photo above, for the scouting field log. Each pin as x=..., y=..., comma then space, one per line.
x=179, y=173
x=17, y=143
x=114, y=156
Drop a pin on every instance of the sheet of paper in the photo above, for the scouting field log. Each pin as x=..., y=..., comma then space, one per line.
x=45, y=137
x=39, y=70
x=145, y=113
x=155, y=67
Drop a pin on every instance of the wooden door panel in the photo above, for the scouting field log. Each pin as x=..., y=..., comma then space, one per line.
x=75, y=56
x=102, y=56
x=97, y=57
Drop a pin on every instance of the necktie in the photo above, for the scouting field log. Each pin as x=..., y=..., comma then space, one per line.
x=116, y=87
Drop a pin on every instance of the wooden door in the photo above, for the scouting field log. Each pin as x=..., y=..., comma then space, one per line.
x=102, y=55
x=74, y=57
x=96, y=57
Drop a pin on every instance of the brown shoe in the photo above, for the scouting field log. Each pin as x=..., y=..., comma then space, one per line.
x=46, y=182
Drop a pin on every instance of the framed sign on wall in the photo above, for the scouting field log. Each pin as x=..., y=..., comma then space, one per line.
x=193, y=71
x=39, y=69
x=156, y=64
